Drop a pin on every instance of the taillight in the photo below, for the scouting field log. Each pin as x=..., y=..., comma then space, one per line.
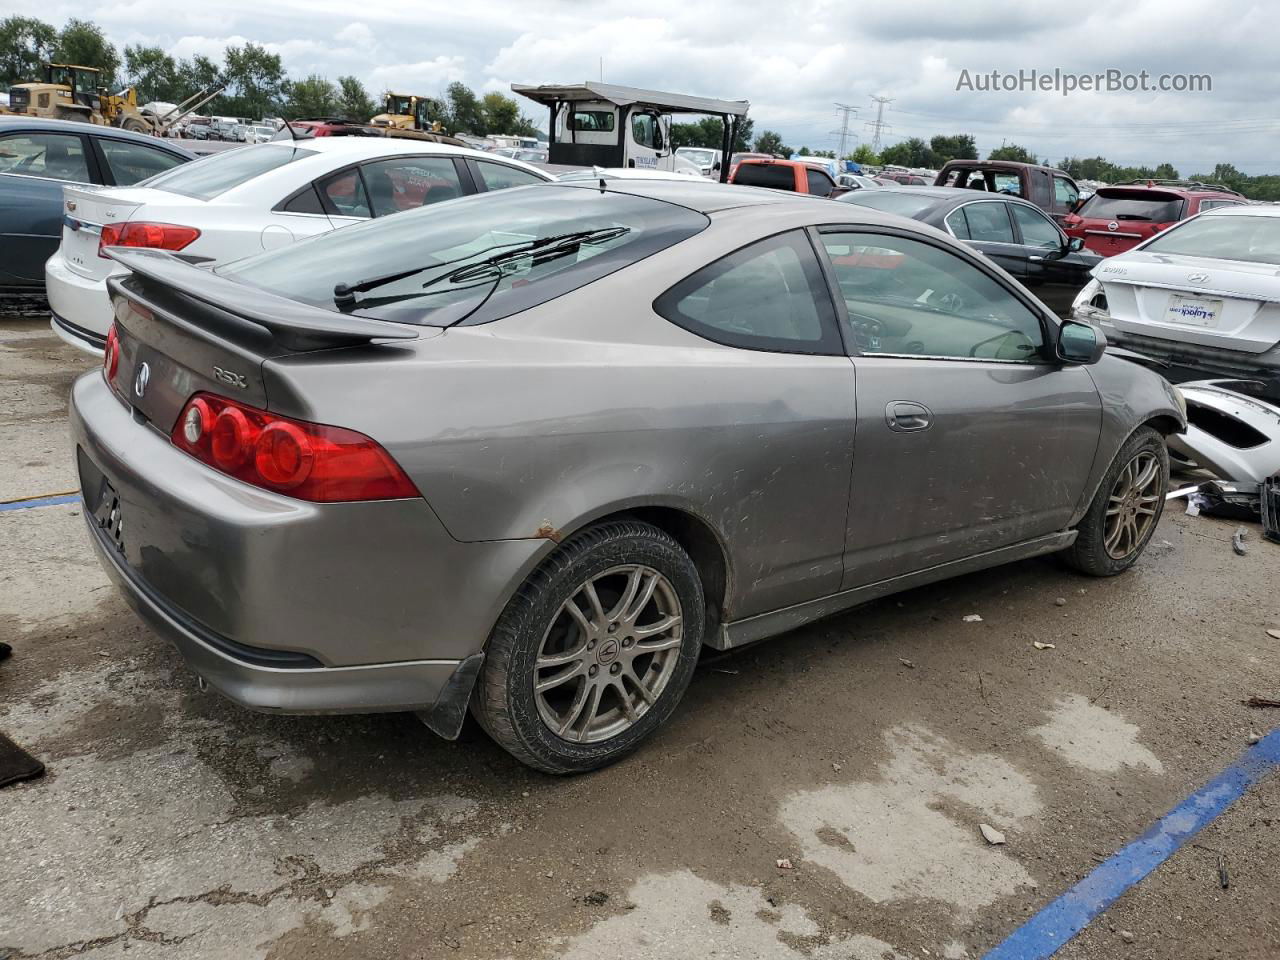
x=310, y=461
x=111, y=355
x=1071, y=219
x=156, y=236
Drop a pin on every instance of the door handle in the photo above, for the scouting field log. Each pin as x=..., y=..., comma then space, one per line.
x=1035, y=258
x=907, y=416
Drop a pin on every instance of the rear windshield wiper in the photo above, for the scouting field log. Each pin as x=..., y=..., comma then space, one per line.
x=1131, y=216
x=344, y=294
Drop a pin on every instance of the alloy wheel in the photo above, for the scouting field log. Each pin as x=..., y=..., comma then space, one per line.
x=608, y=654
x=1133, y=505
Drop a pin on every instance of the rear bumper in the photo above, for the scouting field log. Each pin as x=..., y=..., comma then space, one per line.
x=281, y=604
x=80, y=305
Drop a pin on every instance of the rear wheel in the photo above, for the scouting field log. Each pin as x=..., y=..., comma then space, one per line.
x=136, y=125
x=594, y=651
x=1126, y=508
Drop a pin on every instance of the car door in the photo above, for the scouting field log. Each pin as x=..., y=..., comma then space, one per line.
x=33, y=168
x=781, y=507
x=1053, y=273
x=969, y=437
x=986, y=226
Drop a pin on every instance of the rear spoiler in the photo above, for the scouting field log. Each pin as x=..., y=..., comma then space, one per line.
x=294, y=325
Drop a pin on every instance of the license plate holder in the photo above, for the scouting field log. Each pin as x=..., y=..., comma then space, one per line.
x=108, y=515
x=1193, y=311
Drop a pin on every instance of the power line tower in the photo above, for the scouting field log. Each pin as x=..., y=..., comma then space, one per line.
x=878, y=127
x=846, y=111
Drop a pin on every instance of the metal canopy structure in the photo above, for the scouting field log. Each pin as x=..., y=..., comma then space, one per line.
x=552, y=95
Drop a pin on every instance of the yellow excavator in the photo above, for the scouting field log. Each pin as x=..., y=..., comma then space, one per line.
x=410, y=116
x=73, y=92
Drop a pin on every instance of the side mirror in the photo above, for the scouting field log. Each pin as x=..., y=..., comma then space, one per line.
x=1080, y=342
x=716, y=165
x=1075, y=244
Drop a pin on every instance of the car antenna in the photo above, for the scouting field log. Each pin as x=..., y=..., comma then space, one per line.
x=599, y=172
x=288, y=125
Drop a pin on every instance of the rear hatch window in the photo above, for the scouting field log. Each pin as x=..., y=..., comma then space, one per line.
x=777, y=176
x=475, y=259
x=213, y=175
x=1145, y=206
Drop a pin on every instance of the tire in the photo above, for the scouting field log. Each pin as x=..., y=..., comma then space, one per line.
x=135, y=125
x=538, y=628
x=1093, y=553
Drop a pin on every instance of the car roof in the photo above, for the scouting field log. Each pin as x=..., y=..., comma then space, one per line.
x=1173, y=188
x=15, y=124
x=1245, y=210
x=703, y=196
x=361, y=148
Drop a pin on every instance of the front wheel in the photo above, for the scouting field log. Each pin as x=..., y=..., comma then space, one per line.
x=1126, y=508
x=594, y=651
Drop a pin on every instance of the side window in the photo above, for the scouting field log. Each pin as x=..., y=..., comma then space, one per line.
x=1065, y=192
x=131, y=162
x=768, y=296
x=958, y=224
x=819, y=183
x=306, y=201
x=989, y=222
x=343, y=195
x=406, y=183
x=499, y=176
x=52, y=156
x=1037, y=229
x=643, y=129
x=909, y=298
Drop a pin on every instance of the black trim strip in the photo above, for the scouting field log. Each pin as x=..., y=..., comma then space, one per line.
x=80, y=333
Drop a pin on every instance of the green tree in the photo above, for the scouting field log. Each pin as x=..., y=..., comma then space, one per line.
x=1012, y=151
x=864, y=154
x=25, y=43
x=463, y=111
x=959, y=146
x=354, y=101
x=1166, y=171
x=255, y=82
x=313, y=96
x=770, y=142
x=909, y=153
x=709, y=132
x=502, y=115
x=198, y=73
x=154, y=73
x=83, y=43
x=802, y=152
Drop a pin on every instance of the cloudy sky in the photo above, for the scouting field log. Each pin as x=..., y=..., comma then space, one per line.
x=793, y=60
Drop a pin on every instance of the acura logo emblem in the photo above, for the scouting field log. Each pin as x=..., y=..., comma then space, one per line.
x=1113, y=225
x=1198, y=277
x=140, y=381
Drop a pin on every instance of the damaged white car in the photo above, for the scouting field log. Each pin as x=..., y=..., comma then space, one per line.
x=1202, y=297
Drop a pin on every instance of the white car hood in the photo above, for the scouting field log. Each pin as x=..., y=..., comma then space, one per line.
x=1140, y=285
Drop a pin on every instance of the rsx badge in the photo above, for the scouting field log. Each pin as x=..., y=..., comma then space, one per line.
x=230, y=377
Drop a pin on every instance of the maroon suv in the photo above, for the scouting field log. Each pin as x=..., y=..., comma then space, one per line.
x=1119, y=217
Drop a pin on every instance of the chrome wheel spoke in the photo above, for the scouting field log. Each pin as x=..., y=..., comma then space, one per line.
x=645, y=693
x=638, y=603
x=652, y=629
x=555, y=680
x=628, y=707
x=597, y=611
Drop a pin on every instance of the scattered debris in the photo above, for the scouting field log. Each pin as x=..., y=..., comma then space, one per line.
x=120, y=911
x=727, y=673
x=597, y=898
x=1043, y=646
x=1270, y=507
x=1224, y=879
x=784, y=864
x=1127, y=936
x=1274, y=634
x=971, y=618
x=1060, y=602
x=1254, y=738
x=991, y=834
x=1261, y=702
x=836, y=766
x=1237, y=541
x=910, y=664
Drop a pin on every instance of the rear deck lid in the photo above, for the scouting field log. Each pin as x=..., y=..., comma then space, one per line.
x=86, y=209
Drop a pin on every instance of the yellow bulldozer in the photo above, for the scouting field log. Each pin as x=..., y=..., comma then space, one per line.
x=408, y=115
x=73, y=92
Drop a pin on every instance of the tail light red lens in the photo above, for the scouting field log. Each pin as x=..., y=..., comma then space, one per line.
x=111, y=355
x=309, y=461
x=155, y=236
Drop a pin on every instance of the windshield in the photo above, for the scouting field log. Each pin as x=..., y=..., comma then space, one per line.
x=1251, y=239
x=210, y=176
x=400, y=106
x=474, y=259
x=701, y=157
x=1147, y=205
x=902, y=202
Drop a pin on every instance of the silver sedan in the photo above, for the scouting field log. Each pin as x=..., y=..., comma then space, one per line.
x=530, y=453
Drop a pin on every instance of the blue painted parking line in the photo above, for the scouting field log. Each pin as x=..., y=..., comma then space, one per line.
x=40, y=502
x=1043, y=934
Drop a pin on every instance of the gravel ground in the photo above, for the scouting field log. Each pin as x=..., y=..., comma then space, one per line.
x=866, y=750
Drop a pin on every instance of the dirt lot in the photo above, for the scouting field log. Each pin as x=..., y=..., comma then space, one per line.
x=865, y=749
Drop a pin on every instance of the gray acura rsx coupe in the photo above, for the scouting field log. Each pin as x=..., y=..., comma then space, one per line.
x=529, y=452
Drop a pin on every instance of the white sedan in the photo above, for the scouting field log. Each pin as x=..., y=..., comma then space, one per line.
x=243, y=201
x=1202, y=296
